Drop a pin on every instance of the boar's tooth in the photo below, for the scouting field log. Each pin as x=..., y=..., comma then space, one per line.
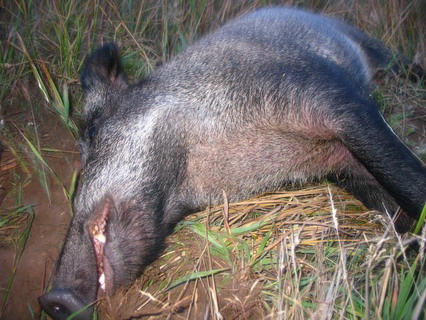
x=102, y=281
x=100, y=237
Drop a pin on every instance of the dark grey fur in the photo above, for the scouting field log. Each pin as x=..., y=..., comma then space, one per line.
x=276, y=97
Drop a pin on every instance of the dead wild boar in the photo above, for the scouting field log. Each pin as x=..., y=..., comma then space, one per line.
x=276, y=97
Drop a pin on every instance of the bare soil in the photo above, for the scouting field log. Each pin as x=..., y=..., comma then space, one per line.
x=51, y=217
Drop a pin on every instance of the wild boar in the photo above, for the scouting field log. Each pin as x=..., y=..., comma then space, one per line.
x=277, y=97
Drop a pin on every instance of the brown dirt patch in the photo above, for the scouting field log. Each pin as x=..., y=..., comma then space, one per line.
x=51, y=216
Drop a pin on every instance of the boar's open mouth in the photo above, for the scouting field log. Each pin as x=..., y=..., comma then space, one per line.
x=98, y=235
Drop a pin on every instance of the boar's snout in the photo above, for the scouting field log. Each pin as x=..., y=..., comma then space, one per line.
x=61, y=303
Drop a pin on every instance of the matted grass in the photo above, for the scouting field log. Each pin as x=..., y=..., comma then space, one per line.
x=314, y=253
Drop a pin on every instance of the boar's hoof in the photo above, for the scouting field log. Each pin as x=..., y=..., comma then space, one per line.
x=61, y=303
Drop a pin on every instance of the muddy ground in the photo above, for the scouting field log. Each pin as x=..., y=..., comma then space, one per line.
x=51, y=216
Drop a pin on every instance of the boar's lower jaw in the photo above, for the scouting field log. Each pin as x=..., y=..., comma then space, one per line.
x=97, y=230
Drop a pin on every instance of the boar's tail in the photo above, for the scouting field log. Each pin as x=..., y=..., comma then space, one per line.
x=381, y=57
x=102, y=69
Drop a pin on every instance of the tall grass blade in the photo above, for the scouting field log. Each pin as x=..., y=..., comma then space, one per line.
x=22, y=242
x=193, y=276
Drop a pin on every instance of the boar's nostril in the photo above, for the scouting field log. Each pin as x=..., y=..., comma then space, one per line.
x=61, y=303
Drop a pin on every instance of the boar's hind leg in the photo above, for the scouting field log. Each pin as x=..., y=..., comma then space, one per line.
x=398, y=171
x=360, y=183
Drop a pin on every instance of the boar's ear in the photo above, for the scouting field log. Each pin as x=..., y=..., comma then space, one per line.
x=103, y=69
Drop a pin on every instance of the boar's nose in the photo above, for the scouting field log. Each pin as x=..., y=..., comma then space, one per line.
x=61, y=303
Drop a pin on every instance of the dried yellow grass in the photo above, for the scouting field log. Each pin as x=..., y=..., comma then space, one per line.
x=297, y=221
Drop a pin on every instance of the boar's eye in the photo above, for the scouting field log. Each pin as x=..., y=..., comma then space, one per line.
x=92, y=126
x=91, y=132
x=86, y=140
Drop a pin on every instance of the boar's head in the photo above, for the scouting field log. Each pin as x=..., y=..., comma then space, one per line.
x=113, y=234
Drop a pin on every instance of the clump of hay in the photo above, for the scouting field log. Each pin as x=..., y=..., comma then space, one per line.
x=241, y=260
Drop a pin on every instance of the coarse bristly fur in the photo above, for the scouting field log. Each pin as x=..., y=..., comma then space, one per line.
x=275, y=97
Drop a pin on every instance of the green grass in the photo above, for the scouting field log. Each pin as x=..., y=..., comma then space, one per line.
x=337, y=271
x=15, y=227
x=301, y=274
